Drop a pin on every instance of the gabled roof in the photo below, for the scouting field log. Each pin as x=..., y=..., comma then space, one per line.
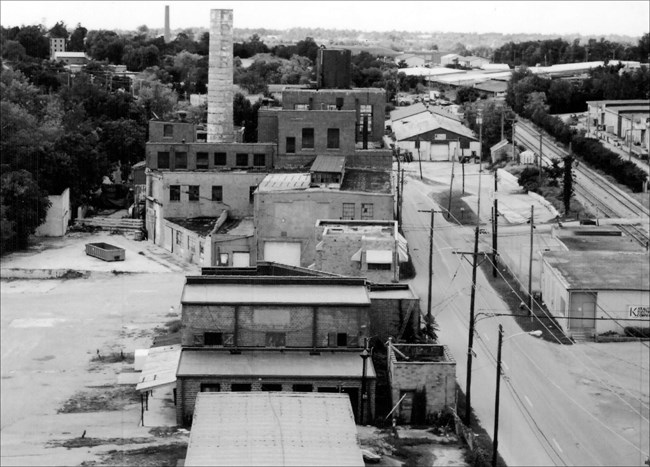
x=327, y=163
x=407, y=111
x=492, y=86
x=421, y=124
x=501, y=144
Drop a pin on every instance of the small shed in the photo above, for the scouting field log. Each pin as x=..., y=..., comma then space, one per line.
x=501, y=151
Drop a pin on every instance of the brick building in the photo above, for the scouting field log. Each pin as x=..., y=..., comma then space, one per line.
x=246, y=333
x=425, y=374
x=371, y=249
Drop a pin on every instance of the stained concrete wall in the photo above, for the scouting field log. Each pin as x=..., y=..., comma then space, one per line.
x=58, y=216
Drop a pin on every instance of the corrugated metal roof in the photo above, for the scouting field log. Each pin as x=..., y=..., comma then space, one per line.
x=325, y=163
x=159, y=367
x=319, y=294
x=265, y=363
x=407, y=111
x=287, y=181
x=423, y=123
x=601, y=270
x=492, y=86
x=273, y=429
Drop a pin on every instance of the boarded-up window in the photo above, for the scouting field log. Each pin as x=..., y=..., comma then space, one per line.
x=201, y=160
x=308, y=138
x=163, y=160
x=198, y=339
x=220, y=158
x=180, y=160
x=332, y=138
x=291, y=144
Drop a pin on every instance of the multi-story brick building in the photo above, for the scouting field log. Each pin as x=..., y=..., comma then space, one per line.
x=247, y=333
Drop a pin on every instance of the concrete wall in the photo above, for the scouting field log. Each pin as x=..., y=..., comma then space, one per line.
x=58, y=216
x=296, y=321
x=220, y=79
x=228, y=244
x=291, y=215
x=437, y=379
x=180, y=131
x=188, y=387
x=188, y=245
x=616, y=304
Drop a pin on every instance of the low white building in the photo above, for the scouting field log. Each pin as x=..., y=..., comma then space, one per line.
x=593, y=292
x=58, y=216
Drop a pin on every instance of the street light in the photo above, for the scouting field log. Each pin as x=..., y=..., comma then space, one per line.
x=495, y=441
x=364, y=356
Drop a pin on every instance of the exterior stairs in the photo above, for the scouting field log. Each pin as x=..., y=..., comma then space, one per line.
x=579, y=336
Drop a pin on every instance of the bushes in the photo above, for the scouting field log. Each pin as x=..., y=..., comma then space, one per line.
x=637, y=331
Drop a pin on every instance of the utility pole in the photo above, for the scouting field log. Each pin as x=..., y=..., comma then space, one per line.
x=495, y=181
x=401, y=198
x=451, y=183
x=429, y=328
x=480, y=138
x=495, y=441
x=472, y=301
x=417, y=145
x=399, y=205
x=530, y=263
x=502, y=123
x=463, y=166
x=495, y=224
x=513, y=143
x=539, y=176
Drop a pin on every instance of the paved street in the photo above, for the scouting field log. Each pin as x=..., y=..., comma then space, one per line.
x=584, y=404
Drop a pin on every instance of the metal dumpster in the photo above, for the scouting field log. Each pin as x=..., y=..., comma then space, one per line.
x=105, y=251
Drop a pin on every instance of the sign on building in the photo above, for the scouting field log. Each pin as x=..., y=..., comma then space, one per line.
x=639, y=311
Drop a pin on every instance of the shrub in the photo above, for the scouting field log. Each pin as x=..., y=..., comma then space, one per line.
x=637, y=331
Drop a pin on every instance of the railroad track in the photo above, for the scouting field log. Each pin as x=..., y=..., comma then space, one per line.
x=590, y=187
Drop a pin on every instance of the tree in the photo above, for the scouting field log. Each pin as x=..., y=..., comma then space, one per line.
x=59, y=30
x=529, y=179
x=25, y=206
x=13, y=51
x=34, y=40
x=307, y=48
x=567, y=185
x=76, y=43
x=466, y=94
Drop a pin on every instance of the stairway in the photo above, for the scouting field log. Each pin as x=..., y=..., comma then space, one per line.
x=579, y=336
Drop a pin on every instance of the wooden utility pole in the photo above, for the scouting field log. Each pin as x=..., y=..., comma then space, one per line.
x=463, y=166
x=513, y=143
x=429, y=327
x=417, y=145
x=495, y=181
x=495, y=224
x=503, y=115
x=399, y=204
x=539, y=176
x=451, y=183
x=530, y=263
x=401, y=198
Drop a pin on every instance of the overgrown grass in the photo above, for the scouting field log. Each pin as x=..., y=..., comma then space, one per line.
x=101, y=399
x=166, y=455
x=114, y=357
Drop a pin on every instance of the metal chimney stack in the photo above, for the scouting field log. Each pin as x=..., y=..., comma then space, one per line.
x=167, y=31
x=220, y=83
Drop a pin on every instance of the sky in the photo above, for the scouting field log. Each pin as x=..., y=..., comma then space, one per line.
x=545, y=17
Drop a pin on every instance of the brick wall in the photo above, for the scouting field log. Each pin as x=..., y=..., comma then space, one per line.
x=267, y=126
x=231, y=150
x=370, y=158
x=188, y=387
x=180, y=131
x=254, y=322
x=437, y=379
x=387, y=316
x=292, y=122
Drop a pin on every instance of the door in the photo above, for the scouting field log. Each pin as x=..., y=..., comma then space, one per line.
x=168, y=239
x=241, y=259
x=406, y=407
x=282, y=252
x=582, y=310
x=353, y=394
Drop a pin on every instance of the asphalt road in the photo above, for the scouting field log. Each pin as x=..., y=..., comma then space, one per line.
x=560, y=405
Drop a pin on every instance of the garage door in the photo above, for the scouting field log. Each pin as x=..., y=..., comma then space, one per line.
x=282, y=252
x=241, y=260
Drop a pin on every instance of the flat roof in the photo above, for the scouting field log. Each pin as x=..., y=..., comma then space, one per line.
x=200, y=225
x=601, y=270
x=273, y=364
x=284, y=181
x=268, y=294
x=273, y=429
x=639, y=108
x=366, y=180
x=492, y=86
x=327, y=163
x=392, y=294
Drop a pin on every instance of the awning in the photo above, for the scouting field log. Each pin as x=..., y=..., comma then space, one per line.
x=159, y=368
x=379, y=256
x=357, y=255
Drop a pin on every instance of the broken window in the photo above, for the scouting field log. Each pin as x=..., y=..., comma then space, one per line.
x=259, y=160
x=210, y=387
x=271, y=387
x=193, y=191
x=367, y=211
x=242, y=160
x=180, y=160
x=217, y=193
x=240, y=387
x=168, y=130
x=303, y=388
x=212, y=338
x=174, y=192
x=291, y=144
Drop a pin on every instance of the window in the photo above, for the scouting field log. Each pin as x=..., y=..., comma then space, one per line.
x=259, y=160
x=300, y=107
x=193, y=191
x=213, y=338
x=337, y=339
x=168, y=131
x=180, y=160
x=242, y=160
x=174, y=192
x=348, y=211
x=303, y=388
x=163, y=160
x=379, y=266
x=275, y=339
x=271, y=387
x=179, y=238
x=217, y=193
x=251, y=194
x=291, y=144
x=220, y=158
x=328, y=389
x=240, y=387
x=308, y=138
x=339, y=103
x=365, y=110
x=367, y=211
x=332, y=138
x=223, y=259
x=201, y=160
x=210, y=387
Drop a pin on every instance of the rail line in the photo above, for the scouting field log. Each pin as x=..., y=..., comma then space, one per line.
x=590, y=186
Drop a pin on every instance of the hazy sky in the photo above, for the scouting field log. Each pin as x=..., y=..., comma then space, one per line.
x=546, y=17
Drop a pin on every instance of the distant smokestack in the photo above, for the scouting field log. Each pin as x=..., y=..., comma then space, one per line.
x=220, y=83
x=167, y=31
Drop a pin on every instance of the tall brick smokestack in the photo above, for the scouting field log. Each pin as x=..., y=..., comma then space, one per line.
x=220, y=83
x=167, y=31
